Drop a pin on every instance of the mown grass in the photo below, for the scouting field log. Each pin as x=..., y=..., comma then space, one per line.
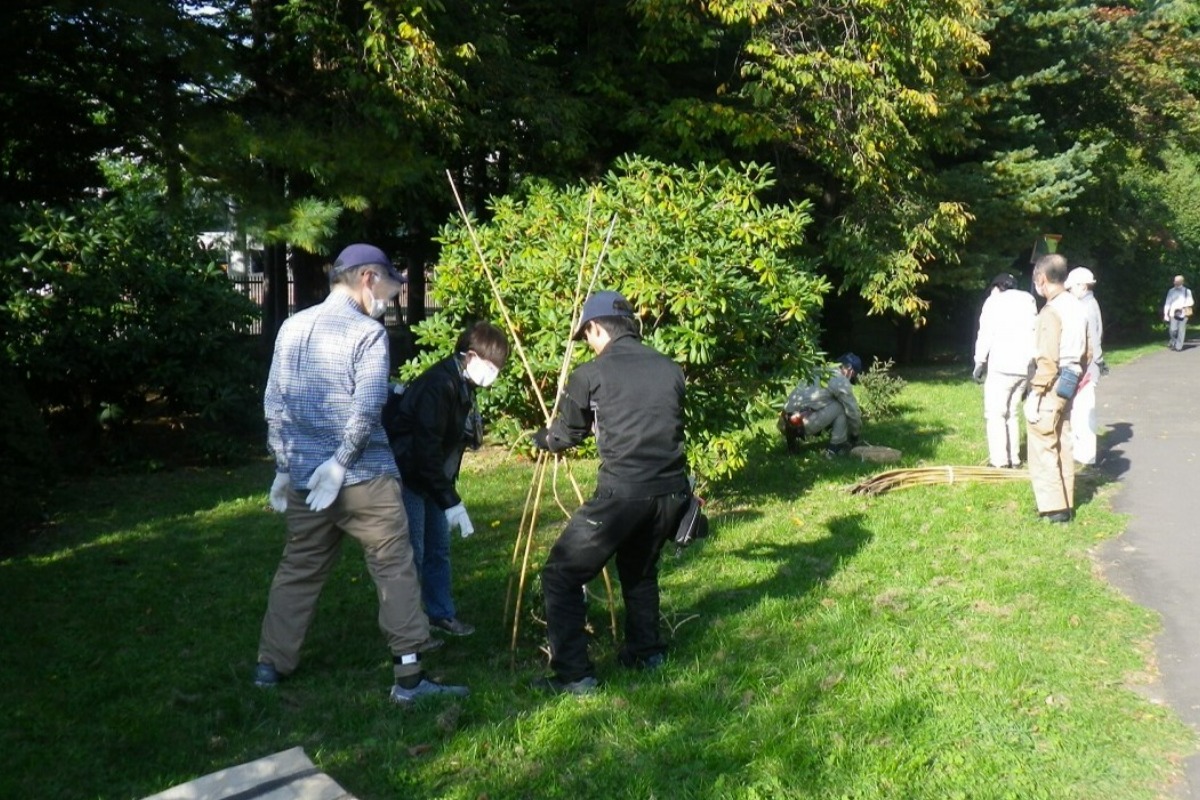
x=934, y=642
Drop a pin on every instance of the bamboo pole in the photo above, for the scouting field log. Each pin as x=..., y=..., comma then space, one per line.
x=539, y=481
x=538, y=468
x=512, y=328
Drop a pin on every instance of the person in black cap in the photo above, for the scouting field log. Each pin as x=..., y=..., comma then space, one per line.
x=323, y=403
x=818, y=405
x=1004, y=348
x=632, y=398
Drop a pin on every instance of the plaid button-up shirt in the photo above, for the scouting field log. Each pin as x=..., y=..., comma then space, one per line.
x=325, y=393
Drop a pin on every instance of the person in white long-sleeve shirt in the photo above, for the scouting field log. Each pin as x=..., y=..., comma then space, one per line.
x=1176, y=310
x=1004, y=348
x=1080, y=281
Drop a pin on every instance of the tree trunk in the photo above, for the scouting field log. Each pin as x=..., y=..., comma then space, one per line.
x=310, y=279
x=275, y=295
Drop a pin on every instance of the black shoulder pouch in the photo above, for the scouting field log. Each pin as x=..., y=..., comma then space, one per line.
x=694, y=524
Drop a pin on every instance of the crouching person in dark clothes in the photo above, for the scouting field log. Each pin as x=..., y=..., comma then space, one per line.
x=632, y=398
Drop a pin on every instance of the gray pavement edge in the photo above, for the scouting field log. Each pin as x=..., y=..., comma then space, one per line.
x=1150, y=446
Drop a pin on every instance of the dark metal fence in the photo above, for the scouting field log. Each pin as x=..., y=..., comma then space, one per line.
x=254, y=286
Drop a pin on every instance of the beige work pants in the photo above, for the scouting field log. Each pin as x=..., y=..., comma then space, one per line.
x=373, y=513
x=1051, y=460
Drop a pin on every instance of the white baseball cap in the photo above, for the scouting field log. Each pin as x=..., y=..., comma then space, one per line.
x=1080, y=276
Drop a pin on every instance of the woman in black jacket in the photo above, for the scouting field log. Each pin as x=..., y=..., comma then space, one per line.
x=429, y=426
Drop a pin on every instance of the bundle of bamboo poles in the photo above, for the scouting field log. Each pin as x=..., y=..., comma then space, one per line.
x=523, y=545
x=935, y=476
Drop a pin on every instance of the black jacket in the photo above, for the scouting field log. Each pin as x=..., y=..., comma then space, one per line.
x=426, y=428
x=631, y=397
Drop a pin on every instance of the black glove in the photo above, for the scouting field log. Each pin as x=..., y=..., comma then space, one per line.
x=541, y=440
x=1103, y=367
x=978, y=373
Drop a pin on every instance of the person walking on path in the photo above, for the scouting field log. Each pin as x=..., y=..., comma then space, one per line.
x=430, y=426
x=1177, y=308
x=1004, y=348
x=1084, y=427
x=323, y=400
x=1060, y=356
x=631, y=397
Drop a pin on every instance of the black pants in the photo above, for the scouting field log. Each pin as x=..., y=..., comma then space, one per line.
x=635, y=529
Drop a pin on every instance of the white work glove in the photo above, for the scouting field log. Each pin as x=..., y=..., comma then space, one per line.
x=279, y=491
x=1033, y=411
x=456, y=517
x=324, y=485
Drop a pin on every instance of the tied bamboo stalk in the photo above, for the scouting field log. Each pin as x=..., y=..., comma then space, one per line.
x=935, y=476
x=524, y=546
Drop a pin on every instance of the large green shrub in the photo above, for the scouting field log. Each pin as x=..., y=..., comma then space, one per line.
x=714, y=274
x=110, y=303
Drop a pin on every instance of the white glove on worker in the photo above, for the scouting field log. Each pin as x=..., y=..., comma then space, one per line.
x=324, y=485
x=456, y=517
x=1033, y=408
x=279, y=491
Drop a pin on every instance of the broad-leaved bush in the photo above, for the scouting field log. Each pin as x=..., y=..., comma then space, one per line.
x=714, y=273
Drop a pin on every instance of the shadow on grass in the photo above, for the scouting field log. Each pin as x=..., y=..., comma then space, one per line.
x=89, y=510
x=953, y=374
x=799, y=567
x=726, y=664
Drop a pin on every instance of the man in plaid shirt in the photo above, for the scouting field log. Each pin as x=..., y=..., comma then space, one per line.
x=323, y=404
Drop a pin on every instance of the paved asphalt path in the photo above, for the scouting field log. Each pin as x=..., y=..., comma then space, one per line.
x=1150, y=423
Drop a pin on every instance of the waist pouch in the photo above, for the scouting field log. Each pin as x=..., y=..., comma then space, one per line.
x=1067, y=384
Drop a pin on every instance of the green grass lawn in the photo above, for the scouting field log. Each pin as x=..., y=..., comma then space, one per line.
x=934, y=642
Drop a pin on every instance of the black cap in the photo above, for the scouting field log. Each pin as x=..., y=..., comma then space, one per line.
x=602, y=304
x=852, y=361
x=1004, y=281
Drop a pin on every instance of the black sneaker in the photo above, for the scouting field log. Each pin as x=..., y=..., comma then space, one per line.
x=648, y=663
x=555, y=685
x=1058, y=517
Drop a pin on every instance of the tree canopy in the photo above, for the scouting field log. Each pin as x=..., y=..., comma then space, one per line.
x=929, y=143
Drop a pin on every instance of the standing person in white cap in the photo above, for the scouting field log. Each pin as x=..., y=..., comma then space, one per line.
x=1080, y=281
x=323, y=401
x=1004, y=349
x=631, y=398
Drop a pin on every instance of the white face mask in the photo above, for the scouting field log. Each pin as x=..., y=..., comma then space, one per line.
x=480, y=372
x=375, y=307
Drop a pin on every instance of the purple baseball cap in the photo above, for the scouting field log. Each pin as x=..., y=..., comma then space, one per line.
x=361, y=255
